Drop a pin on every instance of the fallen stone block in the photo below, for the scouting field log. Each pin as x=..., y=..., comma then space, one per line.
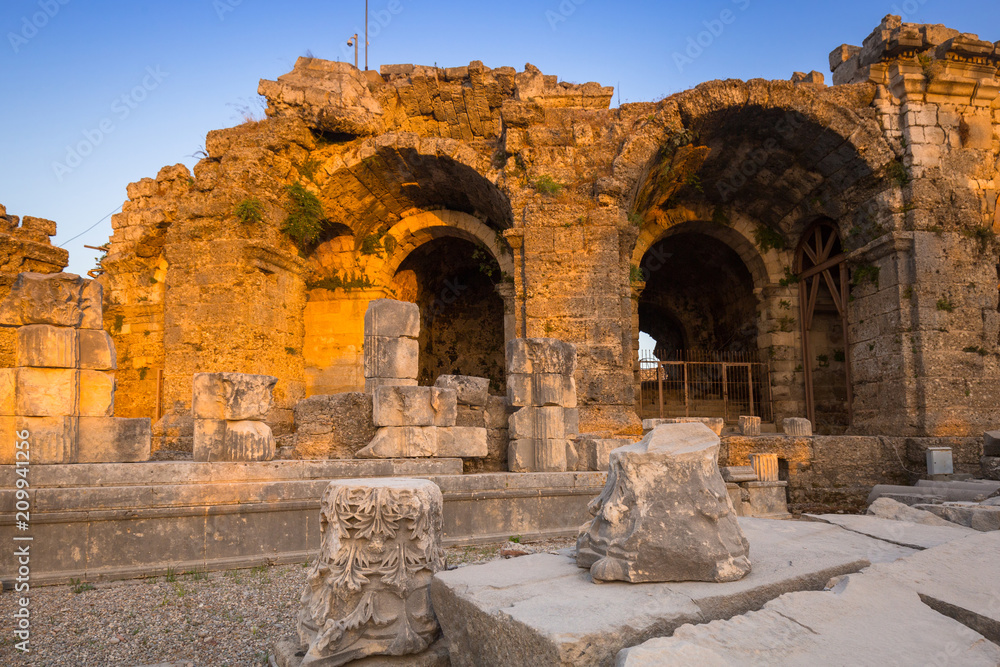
x=222, y=440
x=990, y=466
x=469, y=390
x=389, y=318
x=391, y=357
x=797, y=427
x=714, y=423
x=414, y=406
x=887, y=508
x=393, y=442
x=97, y=394
x=983, y=486
x=114, y=440
x=461, y=442
x=540, y=355
x=47, y=346
x=97, y=350
x=232, y=396
x=372, y=575
x=541, y=389
x=542, y=610
x=903, y=533
x=749, y=426
x=863, y=621
x=594, y=452
x=45, y=392
x=972, y=515
x=737, y=474
x=926, y=494
x=333, y=426
x=665, y=514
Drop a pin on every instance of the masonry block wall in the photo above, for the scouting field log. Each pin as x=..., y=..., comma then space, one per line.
x=561, y=202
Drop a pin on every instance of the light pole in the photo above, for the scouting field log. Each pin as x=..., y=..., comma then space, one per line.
x=353, y=41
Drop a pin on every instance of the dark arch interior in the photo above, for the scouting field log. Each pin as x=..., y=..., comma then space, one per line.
x=698, y=296
x=461, y=315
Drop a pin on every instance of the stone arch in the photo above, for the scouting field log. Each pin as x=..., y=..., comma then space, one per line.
x=413, y=231
x=846, y=131
x=765, y=269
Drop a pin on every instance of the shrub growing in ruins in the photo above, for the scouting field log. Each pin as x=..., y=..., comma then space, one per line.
x=897, y=171
x=304, y=221
x=945, y=304
x=767, y=238
x=249, y=211
x=548, y=186
x=865, y=273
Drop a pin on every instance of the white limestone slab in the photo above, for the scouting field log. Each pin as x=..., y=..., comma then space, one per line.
x=903, y=533
x=544, y=610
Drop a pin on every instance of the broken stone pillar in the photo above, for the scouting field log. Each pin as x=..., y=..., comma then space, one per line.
x=765, y=466
x=750, y=426
x=62, y=389
x=391, y=348
x=540, y=384
x=368, y=592
x=797, y=426
x=665, y=513
x=229, y=411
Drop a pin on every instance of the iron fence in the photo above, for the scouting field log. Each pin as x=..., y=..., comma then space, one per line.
x=697, y=383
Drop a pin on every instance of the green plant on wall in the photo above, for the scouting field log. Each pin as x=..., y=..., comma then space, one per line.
x=548, y=186
x=866, y=273
x=249, y=211
x=304, y=220
x=767, y=238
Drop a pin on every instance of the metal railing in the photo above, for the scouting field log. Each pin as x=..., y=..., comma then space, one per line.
x=696, y=383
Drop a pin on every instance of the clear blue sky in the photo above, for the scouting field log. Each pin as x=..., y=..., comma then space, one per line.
x=140, y=83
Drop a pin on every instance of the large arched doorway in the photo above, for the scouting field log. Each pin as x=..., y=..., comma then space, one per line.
x=698, y=305
x=454, y=280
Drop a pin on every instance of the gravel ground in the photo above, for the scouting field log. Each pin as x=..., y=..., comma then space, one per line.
x=216, y=619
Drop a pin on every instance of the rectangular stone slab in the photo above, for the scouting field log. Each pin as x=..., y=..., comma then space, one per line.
x=414, y=406
x=961, y=579
x=544, y=610
x=905, y=533
x=47, y=346
x=864, y=620
x=97, y=350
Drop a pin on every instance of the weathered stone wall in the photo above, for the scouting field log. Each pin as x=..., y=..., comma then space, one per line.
x=24, y=246
x=568, y=200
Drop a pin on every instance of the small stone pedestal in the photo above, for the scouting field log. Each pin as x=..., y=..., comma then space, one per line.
x=750, y=426
x=765, y=466
x=367, y=594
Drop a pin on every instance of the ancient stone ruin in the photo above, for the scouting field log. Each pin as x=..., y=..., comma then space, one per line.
x=665, y=514
x=428, y=285
x=368, y=592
